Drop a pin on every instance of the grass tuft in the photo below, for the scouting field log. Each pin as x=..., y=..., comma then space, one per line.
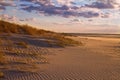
x=1, y=74
x=2, y=59
x=23, y=44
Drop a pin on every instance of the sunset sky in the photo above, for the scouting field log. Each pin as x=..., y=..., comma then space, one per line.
x=79, y=16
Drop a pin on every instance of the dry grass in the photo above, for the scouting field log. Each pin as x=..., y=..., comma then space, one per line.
x=61, y=40
x=2, y=59
x=1, y=41
x=22, y=44
x=6, y=27
x=1, y=74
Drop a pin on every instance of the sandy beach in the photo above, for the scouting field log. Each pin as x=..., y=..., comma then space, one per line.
x=59, y=39
x=97, y=59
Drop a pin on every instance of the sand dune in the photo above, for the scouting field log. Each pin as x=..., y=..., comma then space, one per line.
x=97, y=59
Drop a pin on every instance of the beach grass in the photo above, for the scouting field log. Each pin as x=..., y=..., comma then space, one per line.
x=12, y=28
x=22, y=44
x=2, y=59
x=1, y=74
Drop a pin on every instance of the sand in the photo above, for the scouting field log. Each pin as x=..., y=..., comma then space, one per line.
x=97, y=59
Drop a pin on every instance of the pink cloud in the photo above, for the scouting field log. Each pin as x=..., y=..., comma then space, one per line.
x=8, y=18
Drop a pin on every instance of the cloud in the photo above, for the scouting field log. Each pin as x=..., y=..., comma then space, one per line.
x=90, y=20
x=101, y=5
x=64, y=8
x=8, y=18
x=65, y=2
x=89, y=14
x=64, y=11
x=30, y=19
x=76, y=20
x=47, y=8
x=4, y=3
x=107, y=15
x=2, y=8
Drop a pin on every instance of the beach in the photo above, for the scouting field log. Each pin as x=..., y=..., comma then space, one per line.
x=97, y=58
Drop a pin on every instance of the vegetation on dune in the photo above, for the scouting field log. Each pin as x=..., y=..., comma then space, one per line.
x=10, y=47
x=1, y=62
x=1, y=75
x=23, y=44
x=7, y=27
x=61, y=40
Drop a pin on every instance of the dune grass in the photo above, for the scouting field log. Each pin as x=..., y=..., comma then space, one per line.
x=54, y=39
x=1, y=62
x=7, y=27
x=2, y=59
x=61, y=40
x=1, y=74
x=22, y=44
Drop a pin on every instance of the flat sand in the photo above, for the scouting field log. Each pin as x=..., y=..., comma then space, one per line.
x=97, y=59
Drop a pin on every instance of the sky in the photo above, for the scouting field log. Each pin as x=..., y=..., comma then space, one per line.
x=73, y=16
